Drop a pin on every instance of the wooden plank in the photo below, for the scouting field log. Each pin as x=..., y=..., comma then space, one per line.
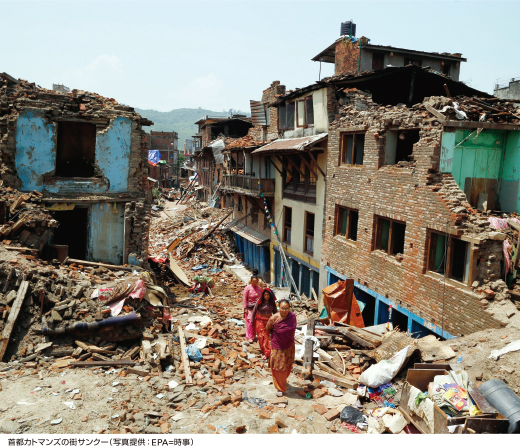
x=436, y=113
x=486, y=426
x=16, y=248
x=178, y=272
x=484, y=406
x=104, y=265
x=348, y=334
x=308, y=358
x=185, y=359
x=13, y=315
x=316, y=163
x=275, y=166
x=118, y=363
x=208, y=340
x=342, y=382
x=480, y=125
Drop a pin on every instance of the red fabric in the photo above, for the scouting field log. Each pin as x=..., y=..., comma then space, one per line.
x=280, y=379
x=262, y=335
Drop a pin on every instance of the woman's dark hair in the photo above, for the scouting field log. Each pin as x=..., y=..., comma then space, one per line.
x=284, y=301
x=255, y=274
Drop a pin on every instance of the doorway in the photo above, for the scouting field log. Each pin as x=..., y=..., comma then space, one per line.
x=72, y=230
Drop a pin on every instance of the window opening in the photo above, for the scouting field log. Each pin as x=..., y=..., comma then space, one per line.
x=390, y=236
x=76, y=149
x=287, y=224
x=378, y=61
x=282, y=117
x=352, y=148
x=410, y=61
x=399, y=145
x=449, y=257
x=347, y=223
x=309, y=232
x=289, y=124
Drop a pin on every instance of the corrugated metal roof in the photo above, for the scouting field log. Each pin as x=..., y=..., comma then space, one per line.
x=291, y=144
x=250, y=234
x=258, y=113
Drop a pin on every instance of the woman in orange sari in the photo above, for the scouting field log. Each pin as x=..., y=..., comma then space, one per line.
x=282, y=327
x=264, y=309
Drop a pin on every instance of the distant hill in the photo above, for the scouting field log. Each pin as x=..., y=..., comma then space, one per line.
x=180, y=120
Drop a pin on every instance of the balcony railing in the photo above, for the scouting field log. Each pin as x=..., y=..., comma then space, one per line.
x=249, y=183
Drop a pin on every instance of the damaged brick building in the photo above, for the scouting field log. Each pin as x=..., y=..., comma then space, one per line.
x=86, y=156
x=414, y=180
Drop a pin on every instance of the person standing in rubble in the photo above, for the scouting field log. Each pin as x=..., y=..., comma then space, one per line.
x=252, y=293
x=282, y=327
x=264, y=309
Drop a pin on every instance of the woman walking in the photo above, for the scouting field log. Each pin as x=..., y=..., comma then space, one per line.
x=252, y=293
x=264, y=309
x=281, y=327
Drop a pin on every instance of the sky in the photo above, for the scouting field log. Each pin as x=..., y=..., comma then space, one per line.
x=218, y=55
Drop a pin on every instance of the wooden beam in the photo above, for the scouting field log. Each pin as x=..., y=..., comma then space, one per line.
x=296, y=167
x=342, y=382
x=481, y=125
x=13, y=315
x=215, y=227
x=275, y=166
x=197, y=336
x=436, y=113
x=308, y=358
x=118, y=363
x=311, y=169
x=285, y=166
x=185, y=359
x=104, y=265
x=316, y=163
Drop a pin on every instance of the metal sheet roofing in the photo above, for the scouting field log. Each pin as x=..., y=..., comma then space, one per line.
x=291, y=144
x=250, y=234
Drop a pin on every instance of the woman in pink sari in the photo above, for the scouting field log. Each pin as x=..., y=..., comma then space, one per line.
x=252, y=293
x=264, y=309
x=282, y=327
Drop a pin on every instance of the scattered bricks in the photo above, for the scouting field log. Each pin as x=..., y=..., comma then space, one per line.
x=482, y=340
x=228, y=374
x=238, y=393
x=318, y=393
x=225, y=399
x=332, y=414
x=489, y=294
x=262, y=414
x=320, y=408
x=281, y=400
x=281, y=420
x=503, y=337
x=289, y=413
x=357, y=370
x=165, y=428
x=272, y=429
x=299, y=418
x=301, y=393
x=205, y=351
x=213, y=428
x=219, y=380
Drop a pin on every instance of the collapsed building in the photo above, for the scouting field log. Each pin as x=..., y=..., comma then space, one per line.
x=86, y=156
x=418, y=188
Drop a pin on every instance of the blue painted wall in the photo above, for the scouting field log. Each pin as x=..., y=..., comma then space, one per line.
x=107, y=233
x=416, y=324
x=35, y=148
x=36, y=156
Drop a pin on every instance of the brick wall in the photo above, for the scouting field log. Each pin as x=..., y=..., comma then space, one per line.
x=416, y=194
x=346, y=57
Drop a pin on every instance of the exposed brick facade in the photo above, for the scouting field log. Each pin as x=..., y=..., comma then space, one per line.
x=416, y=194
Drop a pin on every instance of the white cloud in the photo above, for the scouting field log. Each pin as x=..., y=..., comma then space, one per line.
x=100, y=75
x=205, y=91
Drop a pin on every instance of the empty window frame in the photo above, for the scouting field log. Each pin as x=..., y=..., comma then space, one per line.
x=399, y=145
x=287, y=224
x=282, y=116
x=352, y=148
x=309, y=232
x=378, y=61
x=445, y=67
x=450, y=257
x=346, y=223
x=289, y=123
x=390, y=236
x=76, y=149
x=304, y=112
x=411, y=61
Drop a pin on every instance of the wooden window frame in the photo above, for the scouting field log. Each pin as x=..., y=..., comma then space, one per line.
x=294, y=115
x=348, y=229
x=305, y=101
x=306, y=236
x=342, y=160
x=430, y=259
x=278, y=115
x=378, y=231
x=285, y=227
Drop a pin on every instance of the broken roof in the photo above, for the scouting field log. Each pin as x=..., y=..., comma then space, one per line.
x=291, y=144
x=298, y=92
x=329, y=53
x=407, y=85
